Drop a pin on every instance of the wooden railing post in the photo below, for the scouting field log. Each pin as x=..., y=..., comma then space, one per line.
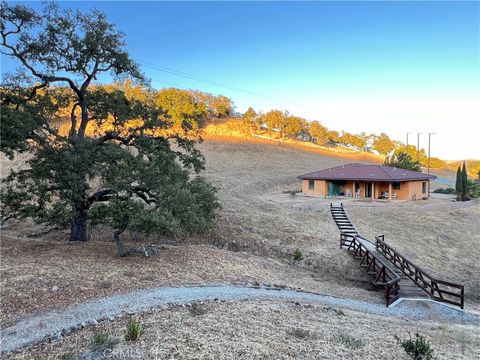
x=387, y=294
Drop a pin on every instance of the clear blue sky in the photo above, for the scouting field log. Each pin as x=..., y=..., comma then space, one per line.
x=373, y=66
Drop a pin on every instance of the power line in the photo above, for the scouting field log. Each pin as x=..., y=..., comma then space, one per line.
x=204, y=80
x=197, y=78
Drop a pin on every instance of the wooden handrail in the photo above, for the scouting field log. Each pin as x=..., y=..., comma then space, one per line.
x=424, y=280
x=384, y=275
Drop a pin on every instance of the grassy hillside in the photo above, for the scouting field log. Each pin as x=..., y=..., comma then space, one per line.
x=258, y=230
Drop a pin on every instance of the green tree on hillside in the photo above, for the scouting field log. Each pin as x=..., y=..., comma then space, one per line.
x=221, y=106
x=333, y=137
x=139, y=174
x=383, y=144
x=217, y=106
x=352, y=140
x=274, y=120
x=318, y=132
x=294, y=125
x=403, y=161
x=182, y=107
x=250, y=116
x=250, y=119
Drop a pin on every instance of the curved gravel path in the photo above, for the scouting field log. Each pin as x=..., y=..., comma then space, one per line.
x=53, y=325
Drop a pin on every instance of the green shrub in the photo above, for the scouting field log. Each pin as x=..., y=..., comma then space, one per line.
x=292, y=193
x=444, y=191
x=349, y=341
x=299, y=333
x=417, y=348
x=133, y=330
x=297, y=255
x=197, y=309
x=102, y=340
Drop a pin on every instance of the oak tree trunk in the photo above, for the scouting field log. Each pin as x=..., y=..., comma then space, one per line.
x=78, y=229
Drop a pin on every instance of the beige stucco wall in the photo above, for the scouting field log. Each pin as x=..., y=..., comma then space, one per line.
x=408, y=189
x=415, y=189
x=320, y=188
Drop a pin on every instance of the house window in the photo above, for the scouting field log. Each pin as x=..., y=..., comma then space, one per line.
x=311, y=184
x=396, y=185
x=424, y=187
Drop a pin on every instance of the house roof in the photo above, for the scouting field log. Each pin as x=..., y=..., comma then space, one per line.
x=362, y=172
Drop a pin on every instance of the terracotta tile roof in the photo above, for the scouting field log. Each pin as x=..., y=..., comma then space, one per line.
x=363, y=172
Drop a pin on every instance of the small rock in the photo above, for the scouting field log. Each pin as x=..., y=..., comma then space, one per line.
x=56, y=337
x=54, y=288
x=68, y=330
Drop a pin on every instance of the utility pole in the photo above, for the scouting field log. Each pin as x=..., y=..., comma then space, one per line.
x=418, y=146
x=407, y=141
x=429, y=135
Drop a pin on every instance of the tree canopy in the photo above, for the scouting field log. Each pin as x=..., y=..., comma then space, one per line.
x=318, y=132
x=139, y=170
x=294, y=125
x=383, y=144
x=182, y=107
x=403, y=161
x=274, y=120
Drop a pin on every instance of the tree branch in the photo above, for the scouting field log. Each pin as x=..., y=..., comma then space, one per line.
x=46, y=78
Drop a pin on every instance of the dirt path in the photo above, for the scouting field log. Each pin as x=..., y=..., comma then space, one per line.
x=54, y=324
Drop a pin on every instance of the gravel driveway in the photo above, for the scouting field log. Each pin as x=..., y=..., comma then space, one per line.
x=54, y=324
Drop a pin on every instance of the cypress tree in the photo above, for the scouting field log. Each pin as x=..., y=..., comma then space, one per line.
x=458, y=183
x=464, y=182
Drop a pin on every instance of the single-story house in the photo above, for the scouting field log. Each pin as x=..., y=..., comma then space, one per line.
x=368, y=181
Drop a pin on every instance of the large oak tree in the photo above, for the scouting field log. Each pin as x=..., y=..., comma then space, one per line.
x=139, y=173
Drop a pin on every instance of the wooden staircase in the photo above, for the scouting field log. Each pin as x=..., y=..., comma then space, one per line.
x=400, y=277
x=342, y=220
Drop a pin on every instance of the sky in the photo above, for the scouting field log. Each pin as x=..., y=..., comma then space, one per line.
x=392, y=67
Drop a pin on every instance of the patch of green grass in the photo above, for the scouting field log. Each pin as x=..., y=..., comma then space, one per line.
x=67, y=356
x=349, y=341
x=463, y=342
x=102, y=340
x=133, y=330
x=297, y=255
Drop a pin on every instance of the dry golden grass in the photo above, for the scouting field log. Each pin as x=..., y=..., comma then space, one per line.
x=50, y=272
x=47, y=273
x=267, y=329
